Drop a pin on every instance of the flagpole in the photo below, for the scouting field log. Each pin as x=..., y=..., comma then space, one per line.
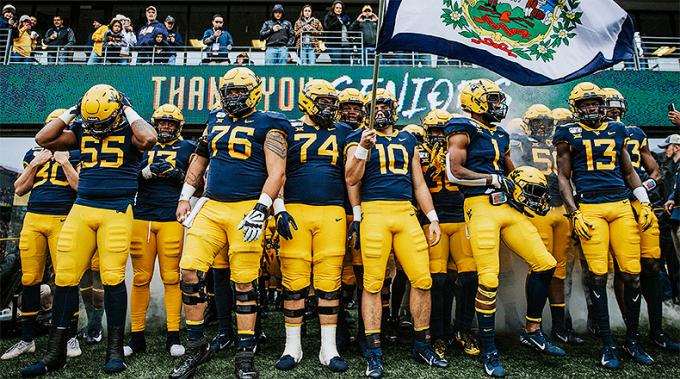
x=376, y=66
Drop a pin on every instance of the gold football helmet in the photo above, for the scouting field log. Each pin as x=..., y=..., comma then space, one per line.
x=583, y=92
x=101, y=110
x=169, y=112
x=417, y=131
x=240, y=91
x=562, y=116
x=434, y=124
x=517, y=126
x=389, y=116
x=350, y=116
x=319, y=100
x=539, y=119
x=483, y=96
x=615, y=102
x=531, y=190
x=54, y=114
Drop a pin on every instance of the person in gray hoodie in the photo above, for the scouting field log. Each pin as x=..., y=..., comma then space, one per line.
x=278, y=34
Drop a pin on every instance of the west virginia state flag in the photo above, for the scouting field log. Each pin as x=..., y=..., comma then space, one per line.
x=532, y=42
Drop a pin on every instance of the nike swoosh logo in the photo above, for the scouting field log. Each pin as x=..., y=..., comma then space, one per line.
x=540, y=346
x=604, y=363
x=338, y=219
x=249, y=121
x=176, y=147
x=636, y=298
x=402, y=139
x=596, y=295
x=488, y=371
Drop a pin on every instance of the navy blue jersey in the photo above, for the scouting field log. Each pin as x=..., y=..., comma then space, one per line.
x=51, y=194
x=447, y=199
x=109, y=168
x=595, y=160
x=638, y=140
x=543, y=156
x=388, y=168
x=485, y=151
x=315, y=174
x=237, y=165
x=157, y=197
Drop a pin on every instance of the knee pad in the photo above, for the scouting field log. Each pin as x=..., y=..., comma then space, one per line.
x=332, y=295
x=170, y=277
x=141, y=279
x=650, y=267
x=295, y=295
x=631, y=280
x=593, y=279
x=249, y=295
x=189, y=290
x=30, y=279
x=112, y=278
x=490, y=280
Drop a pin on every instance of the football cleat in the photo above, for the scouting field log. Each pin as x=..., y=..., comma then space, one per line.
x=423, y=352
x=539, y=341
x=391, y=333
x=93, y=336
x=468, y=342
x=244, y=365
x=136, y=345
x=221, y=342
x=664, y=341
x=286, y=362
x=567, y=336
x=439, y=347
x=19, y=348
x=55, y=357
x=610, y=357
x=196, y=353
x=492, y=364
x=115, y=361
x=636, y=352
x=374, y=368
x=73, y=348
x=335, y=364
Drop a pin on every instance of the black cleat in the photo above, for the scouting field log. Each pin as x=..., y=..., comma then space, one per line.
x=244, y=365
x=115, y=361
x=196, y=353
x=54, y=359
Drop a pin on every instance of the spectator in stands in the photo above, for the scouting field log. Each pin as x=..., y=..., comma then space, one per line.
x=114, y=40
x=217, y=42
x=147, y=34
x=367, y=24
x=159, y=49
x=130, y=37
x=672, y=149
x=336, y=24
x=307, y=27
x=243, y=59
x=674, y=117
x=174, y=38
x=58, y=39
x=39, y=40
x=278, y=34
x=97, y=42
x=24, y=41
x=8, y=18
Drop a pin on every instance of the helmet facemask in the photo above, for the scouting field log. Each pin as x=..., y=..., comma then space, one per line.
x=590, y=111
x=327, y=112
x=164, y=135
x=100, y=129
x=435, y=135
x=497, y=109
x=352, y=114
x=235, y=100
x=534, y=196
x=384, y=117
x=541, y=127
x=616, y=108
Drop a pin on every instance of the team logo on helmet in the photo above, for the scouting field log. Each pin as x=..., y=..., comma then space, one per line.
x=319, y=100
x=485, y=97
x=101, y=110
x=531, y=190
x=240, y=91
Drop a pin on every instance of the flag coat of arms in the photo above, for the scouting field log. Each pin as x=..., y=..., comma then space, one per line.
x=532, y=42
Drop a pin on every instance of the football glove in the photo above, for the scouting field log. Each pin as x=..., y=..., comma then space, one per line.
x=283, y=223
x=353, y=235
x=646, y=216
x=503, y=183
x=160, y=168
x=579, y=224
x=253, y=223
x=125, y=100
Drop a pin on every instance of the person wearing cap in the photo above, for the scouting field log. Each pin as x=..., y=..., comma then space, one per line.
x=97, y=39
x=129, y=34
x=58, y=39
x=338, y=24
x=671, y=147
x=7, y=20
x=278, y=34
x=24, y=41
x=367, y=24
x=174, y=37
x=217, y=42
x=147, y=34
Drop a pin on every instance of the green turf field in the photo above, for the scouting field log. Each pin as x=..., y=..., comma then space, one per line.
x=580, y=362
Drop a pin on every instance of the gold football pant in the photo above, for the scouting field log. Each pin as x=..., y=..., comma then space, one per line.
x=151, y=239
x=214, y=228
x=39, y=234
x=614, y=226
x=488, y=224
x=452, y=247
x=317, y=247
x=387, y=226
x=89, y=229
x=649, y=239
x=555, y=232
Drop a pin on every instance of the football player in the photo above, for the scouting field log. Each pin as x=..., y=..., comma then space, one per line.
x=554, y=226
x=650, y=252
x=592, y=155
x=454, y=245
x=312, y=222
x=111, y=137
x=156, y=232
x=389, y=179
x=478, y=161
x=247, y=152
x=351, y=105
x=52, y=180
x=562, y=116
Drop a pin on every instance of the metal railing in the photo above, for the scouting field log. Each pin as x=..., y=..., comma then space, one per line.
x=652, y=53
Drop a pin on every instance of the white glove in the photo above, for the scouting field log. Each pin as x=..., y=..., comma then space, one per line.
x=253, y=223
x=146, y=172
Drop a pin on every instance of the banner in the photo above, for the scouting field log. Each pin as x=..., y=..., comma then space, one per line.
x=30, y=93
x=532, y=42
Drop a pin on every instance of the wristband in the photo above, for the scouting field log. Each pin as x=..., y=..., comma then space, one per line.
x=640, y=193
x=432, y=216
x=361, y=153
x=187, y=191
x=131, y=115
x=146, y=172
x=68, y=116
x=356, y=213
x=265, y=200
x=649, y=184
x=279, y=206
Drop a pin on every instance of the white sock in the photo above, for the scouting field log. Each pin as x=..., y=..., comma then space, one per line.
x=328, y=348
x=293, y=342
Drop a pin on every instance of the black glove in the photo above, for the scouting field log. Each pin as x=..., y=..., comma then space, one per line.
x=283, y=223
x=353, y=235
x=161, y=168
x=125, y=100
x=176, y=174
x=505, y=184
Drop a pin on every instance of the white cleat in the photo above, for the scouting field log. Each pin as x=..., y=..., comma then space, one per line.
x=73, y=348
x=19, y=348
x=176, y=350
